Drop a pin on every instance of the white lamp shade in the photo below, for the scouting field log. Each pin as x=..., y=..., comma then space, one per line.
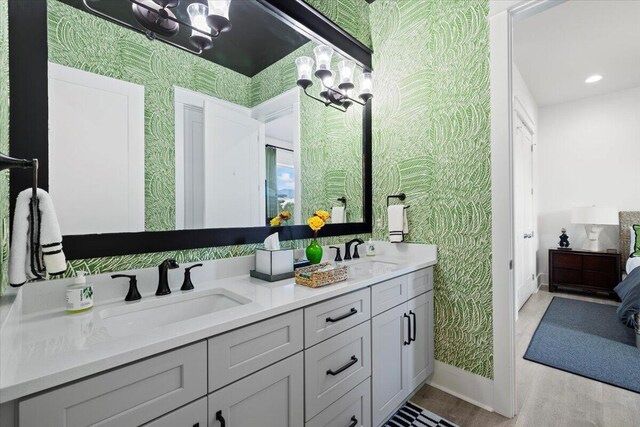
x=323, y=57
x=597, y=215
x=198, y=17
x=219, y=7
x=305, y=65
x=365, y=83
x=346, y=69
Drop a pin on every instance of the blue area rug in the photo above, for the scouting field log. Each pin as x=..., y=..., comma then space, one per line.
x=586, y=339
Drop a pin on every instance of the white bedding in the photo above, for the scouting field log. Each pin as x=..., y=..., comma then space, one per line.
x=633, y=263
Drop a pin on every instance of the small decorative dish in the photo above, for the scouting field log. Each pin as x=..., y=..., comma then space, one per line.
x=311, y=277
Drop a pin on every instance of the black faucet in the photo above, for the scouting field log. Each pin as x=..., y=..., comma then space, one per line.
x=347, y=248
x=338, y=257
x=163, y=279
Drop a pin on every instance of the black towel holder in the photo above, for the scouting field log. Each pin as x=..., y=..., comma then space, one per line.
x=7, y=162
x=400, y=197
x=343, y=199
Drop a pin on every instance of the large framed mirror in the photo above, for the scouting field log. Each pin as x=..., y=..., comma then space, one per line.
x=162, y=140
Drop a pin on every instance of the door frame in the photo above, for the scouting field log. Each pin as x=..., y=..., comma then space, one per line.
x=501, y=18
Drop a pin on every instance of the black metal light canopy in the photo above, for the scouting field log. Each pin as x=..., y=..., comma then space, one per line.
x=339, y=98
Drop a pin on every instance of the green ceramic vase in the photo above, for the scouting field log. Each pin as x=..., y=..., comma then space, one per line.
x=314, y=252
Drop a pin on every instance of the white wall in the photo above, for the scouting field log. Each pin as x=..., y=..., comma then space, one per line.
x=589, y=154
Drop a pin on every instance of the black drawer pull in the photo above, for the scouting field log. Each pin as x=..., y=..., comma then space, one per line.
x=406, y=316
x=352, y=362
x=220, y=418
x=344, y=316
x=354, y=422
x=196, y=425
x=413, y=338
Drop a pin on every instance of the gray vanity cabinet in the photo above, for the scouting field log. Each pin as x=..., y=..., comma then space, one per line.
x=401, y=342
x=272, y=397
x=191, y=415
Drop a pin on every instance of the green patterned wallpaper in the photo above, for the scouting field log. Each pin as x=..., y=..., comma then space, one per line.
x=351, y=15
x=4, y=143
x=431, y=140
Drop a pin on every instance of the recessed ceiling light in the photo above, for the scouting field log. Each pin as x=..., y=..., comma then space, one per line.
x=593, y=79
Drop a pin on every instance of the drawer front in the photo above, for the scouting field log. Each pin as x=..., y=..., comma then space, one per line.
x=192, y=415
x=388, y=294
x=329, y=318
x=420, y=281
x=601, y=263
x=128, y=396
x=352, y=409
x=271, y=397
x=335, y=366
x=239, y=353
x=568, y=261
x=561, y=275
x=600, y=279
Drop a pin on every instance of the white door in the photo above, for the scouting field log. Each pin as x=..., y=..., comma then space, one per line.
x=233, y=188
x=420, y=354
x=525, y=262
x=273, y=397
x=389, y=344
x=96, y=132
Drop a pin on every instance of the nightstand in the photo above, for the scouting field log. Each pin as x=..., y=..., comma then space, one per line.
x=584, y=270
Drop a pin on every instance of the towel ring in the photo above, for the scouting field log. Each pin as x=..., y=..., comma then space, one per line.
x=343, y=199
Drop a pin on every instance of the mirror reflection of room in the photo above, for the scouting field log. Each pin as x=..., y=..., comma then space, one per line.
x=175, y=140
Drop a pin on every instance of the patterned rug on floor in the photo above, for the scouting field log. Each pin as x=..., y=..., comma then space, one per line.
x=412, y=415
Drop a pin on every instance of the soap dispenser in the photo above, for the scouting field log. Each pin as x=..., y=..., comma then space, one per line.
x=79, y=294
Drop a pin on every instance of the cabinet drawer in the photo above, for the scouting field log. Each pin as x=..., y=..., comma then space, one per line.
x=601, y=263
x=561, y=275
x=388, y=294
x=420, y=281
x=329, y=318
x=568, y=261
x=194, y=414
x=269, y=398
x=604, y=280
x=353, y=407
x=236, y=354
x=335, y=366
x=128, y=396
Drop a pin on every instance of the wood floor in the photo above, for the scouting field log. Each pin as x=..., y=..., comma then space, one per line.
x=546, y=396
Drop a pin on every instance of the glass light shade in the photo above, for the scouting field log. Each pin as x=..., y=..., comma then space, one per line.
x=219, y=7
x=328, y=81
x=305, y=65
x=323, y=57
x=346, y=69
x=198, y=17
x=365, y=83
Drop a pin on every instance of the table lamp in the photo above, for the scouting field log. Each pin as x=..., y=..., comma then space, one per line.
x=594, y=218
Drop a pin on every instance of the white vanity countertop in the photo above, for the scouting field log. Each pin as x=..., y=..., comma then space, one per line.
x=45, y=347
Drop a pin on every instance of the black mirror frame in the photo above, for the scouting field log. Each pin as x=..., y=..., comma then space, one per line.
x=29, y=117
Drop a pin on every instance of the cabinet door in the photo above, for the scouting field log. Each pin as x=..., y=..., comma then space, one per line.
x=352, y=409
x=192, y=415
x=420, y=351
x=389, y=356
x=273, y=397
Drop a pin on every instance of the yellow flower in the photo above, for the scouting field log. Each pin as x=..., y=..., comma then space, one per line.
x=275, y=221
x=324, y=215
x=315, y=222
x=285, y=215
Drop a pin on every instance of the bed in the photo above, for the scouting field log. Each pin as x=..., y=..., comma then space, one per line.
x=628, y=264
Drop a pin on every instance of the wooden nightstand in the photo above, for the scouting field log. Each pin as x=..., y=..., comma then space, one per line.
x=584, y=270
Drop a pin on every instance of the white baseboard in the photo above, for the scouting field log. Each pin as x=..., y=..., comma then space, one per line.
x=464, y=385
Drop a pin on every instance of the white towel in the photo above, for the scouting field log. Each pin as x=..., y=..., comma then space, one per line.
x=398, y=225
x=36, y=241
x=338, y=215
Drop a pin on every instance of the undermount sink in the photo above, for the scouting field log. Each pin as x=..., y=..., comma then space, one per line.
x=371, y=268
x=160, y=311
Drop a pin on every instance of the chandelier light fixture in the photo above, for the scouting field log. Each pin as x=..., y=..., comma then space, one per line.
x=340, y=96
x=206, y=21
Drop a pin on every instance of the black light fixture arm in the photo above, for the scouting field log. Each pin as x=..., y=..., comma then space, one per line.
x=7, y=162
x=343, y=95
x=326, y=103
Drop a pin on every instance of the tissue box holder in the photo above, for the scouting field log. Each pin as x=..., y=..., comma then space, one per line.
x=318, y=279
x=273, y=265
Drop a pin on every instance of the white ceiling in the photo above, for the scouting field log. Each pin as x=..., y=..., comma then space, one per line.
x=556, y=50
